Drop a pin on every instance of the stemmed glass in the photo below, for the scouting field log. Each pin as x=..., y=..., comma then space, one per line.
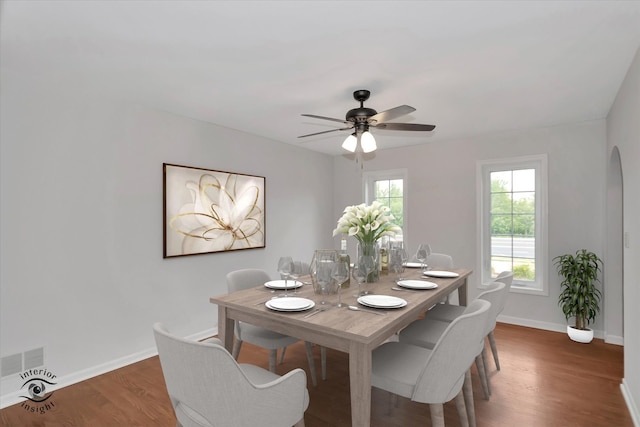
x=423, y=252
x=285, y=266
x=296, y=272
x=398, y=261
x=323, y=278
x=361, y=271
x=340, y=273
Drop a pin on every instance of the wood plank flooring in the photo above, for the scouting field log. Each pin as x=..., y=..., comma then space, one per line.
x=545, y=380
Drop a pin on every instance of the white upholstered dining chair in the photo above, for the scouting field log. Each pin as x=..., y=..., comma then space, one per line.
x=437, y=260
x=426, y=332
x=256, y=335
x=208, y=388
x=447, y=313
x=436, y=375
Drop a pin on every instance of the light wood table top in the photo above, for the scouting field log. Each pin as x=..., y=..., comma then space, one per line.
x=354, y=332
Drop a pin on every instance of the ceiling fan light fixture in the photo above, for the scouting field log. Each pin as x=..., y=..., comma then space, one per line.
x=367, y=142
x=350, y=143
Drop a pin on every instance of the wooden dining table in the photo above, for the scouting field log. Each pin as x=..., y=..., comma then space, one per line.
x=355, y=332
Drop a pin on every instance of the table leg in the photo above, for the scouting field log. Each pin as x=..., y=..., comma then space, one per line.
x=225, y=328
x=360, y=383
x=462, y=293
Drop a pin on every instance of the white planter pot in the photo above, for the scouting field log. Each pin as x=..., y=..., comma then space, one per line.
x=579, y=335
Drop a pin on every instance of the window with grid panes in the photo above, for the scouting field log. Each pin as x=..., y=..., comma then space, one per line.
x=513, y=221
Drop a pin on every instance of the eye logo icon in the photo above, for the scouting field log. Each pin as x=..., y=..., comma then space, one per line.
x=36, y=384
x=36, y=390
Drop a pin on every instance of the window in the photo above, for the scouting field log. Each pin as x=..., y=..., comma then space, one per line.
x=513, y=221
x=390, y=189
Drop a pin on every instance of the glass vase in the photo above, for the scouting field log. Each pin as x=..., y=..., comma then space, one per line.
x=320, y=271
x=370, y=249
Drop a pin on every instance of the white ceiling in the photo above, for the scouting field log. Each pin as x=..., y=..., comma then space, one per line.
x=468, y=67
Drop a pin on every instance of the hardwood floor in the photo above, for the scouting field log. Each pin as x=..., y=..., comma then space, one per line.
x=545, y=380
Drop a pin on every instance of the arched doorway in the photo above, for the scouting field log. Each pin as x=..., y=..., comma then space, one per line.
x=613, y=262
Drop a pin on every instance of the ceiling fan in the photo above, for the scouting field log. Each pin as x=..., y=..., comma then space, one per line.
x=362, y=118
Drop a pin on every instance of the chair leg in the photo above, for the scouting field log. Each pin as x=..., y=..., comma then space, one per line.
x=467, y=388
x=273, y=357
x=462, y=410
x=236, y=348
x=437, y=414
x=485, y=362
x=323, y=362
x=284, y=350
x=390, y=403
x=494, y=349
x=483, y=375
x=312, y=365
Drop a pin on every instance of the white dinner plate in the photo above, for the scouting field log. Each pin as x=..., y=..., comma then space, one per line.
x=436, y=273
x=290, y=304
x=413, y=264
x=382, y=301
x=417, y=284
x=279, y=284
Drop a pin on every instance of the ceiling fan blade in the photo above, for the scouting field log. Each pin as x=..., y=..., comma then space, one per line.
x=327, y=118
x=394, y=113
x=405, y=126
x=324, y=131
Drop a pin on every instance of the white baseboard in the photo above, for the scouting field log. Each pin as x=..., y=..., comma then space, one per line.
x=547, y=326
x=613, y=339
x=633, y=409
x=13, y=383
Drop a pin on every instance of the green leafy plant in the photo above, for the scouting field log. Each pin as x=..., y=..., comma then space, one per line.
x=580, y=298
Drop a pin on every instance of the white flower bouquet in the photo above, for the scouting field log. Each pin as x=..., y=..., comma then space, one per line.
x=367, y=223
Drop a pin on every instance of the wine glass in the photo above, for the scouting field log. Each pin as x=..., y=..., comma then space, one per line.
x=405, y=258
x=340, y=273
x=397, y=263
x=323, y=278
x=365, y=266
x=423, y=252
x=285, y=266
x=360, y=276
x=296, y=272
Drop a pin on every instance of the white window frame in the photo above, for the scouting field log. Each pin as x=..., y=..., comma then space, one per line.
x=540, y=285
x=368, y=189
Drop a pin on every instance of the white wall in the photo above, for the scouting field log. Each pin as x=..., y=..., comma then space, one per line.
x=442, y=199
x=623, y=132
x=81, y=203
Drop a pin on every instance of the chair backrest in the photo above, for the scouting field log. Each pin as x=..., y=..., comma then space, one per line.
x=496, y=294
x=301, y=267
x=208, y=388
x=246, y=278
x=505, y=277
x=456, y=349
x=440, y=260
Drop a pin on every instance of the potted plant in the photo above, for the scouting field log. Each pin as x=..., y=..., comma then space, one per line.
x=579, y=297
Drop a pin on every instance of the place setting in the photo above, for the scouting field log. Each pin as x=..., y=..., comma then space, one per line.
x=373, y=302
x=440, y=274
x=290, y=304
x=280, y=285
x=416, y=285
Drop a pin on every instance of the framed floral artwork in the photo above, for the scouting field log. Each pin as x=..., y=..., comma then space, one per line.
x=209, y=211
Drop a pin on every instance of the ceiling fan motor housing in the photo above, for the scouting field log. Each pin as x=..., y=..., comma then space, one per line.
x=362, y=113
